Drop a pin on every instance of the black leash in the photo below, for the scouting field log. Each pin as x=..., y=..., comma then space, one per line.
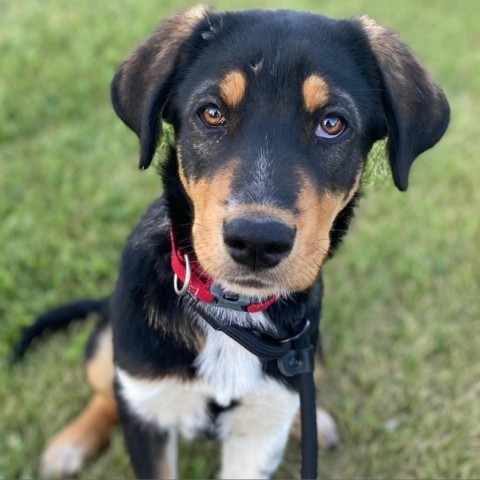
x=294, y=357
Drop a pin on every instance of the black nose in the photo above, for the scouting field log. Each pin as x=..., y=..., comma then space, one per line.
x=258, y=242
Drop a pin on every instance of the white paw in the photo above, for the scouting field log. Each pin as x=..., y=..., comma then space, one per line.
x=62, y=461
x=328, y=436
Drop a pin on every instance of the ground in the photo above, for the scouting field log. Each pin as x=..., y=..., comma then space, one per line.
x=402, y=310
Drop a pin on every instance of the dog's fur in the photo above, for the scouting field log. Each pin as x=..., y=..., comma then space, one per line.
x=274, y=115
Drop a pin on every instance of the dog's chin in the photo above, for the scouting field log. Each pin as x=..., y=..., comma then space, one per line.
x=253, y=287
x=262, y=285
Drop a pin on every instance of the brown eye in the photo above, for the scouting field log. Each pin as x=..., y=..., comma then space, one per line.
x=331, y=126
x=212, y=116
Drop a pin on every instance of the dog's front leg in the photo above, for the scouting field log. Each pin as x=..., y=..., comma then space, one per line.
x=254, y=433
x=152, y=451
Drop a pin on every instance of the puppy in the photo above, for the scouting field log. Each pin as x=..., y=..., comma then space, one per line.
x=274, y=114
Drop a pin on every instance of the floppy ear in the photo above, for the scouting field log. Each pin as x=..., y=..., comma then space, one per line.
x=142, y=84
x=417, y=111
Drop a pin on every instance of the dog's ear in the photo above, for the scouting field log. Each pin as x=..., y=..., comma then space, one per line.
x=416, y=109
x=141, y=86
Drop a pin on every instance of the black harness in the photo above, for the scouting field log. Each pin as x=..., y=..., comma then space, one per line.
x=294, y=356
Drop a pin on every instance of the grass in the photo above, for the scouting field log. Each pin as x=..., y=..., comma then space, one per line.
x=402, y=311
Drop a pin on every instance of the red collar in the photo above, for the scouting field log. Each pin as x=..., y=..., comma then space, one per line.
x=201, y=286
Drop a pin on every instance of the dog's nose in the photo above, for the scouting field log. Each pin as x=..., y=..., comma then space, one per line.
x=258, y=242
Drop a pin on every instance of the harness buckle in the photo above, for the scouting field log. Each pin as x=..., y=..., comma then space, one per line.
x=296, y=361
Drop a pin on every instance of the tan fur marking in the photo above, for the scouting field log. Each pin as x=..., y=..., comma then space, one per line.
x=209, y=199
x=181, y=172
x=316, y=214
x=298, y=271
x=324, y=433
x=348, y=196
x=263, y=210
x=315, y=92
x=314, y=222
x=232, y=88
x=100, y=369
x=87, y=435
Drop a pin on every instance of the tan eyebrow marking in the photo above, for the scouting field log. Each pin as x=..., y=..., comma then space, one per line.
x=315, y=92
x=232, y=88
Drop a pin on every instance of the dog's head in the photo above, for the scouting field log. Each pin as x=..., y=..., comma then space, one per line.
x=274, y=115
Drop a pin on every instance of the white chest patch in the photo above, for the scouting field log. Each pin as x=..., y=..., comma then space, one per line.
x=168, y=402
x=227, y=368
x=225, y=372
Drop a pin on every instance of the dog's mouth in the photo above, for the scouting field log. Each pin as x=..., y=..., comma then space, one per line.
x=258, y=285
x=250, y=283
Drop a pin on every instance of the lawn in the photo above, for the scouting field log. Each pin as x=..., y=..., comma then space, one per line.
x=402, y=311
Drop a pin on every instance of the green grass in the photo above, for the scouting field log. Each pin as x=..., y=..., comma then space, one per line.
x=402, y=311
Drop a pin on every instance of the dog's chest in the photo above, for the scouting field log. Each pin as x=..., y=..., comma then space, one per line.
x=227, y=368
x=225, y=372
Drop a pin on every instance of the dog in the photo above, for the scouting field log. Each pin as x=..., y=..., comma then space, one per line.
x=274, y=114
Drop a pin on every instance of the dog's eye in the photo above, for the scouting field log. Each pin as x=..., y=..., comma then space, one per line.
x=331, y=126
x=212, y=116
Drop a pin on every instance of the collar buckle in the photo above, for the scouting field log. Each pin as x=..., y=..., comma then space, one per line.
x=233, y=301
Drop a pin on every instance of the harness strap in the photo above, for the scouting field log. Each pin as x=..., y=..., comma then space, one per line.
x=294, y=357
x=308, y=412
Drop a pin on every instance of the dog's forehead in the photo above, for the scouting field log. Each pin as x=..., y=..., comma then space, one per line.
x=274, y=34
x=273, y=52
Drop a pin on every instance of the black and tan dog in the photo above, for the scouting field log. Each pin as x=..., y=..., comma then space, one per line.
x=274, y=114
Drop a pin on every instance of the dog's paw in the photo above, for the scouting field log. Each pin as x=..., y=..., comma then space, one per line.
x=327, y=431
x=81, y=440
x=62, y=460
